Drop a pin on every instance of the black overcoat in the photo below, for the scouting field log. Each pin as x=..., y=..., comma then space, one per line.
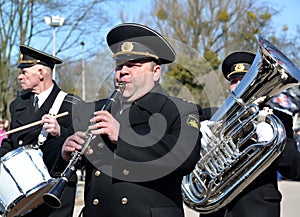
x=22, y=113
x=141, y=175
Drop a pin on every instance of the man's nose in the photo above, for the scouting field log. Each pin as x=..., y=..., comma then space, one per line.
x=124, y=70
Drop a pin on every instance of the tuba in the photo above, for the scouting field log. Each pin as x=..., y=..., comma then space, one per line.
x=234, y=157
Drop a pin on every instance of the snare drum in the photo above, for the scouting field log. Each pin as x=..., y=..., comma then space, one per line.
x=24, y=178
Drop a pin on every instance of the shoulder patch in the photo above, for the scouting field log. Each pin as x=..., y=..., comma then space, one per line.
x=193, y=121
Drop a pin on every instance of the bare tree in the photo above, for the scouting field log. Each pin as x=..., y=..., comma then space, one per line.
x=213, y=29
x=22, y=22
x=16, y=22
x=98, y=76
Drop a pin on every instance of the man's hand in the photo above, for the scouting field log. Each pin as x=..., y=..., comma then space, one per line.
x=51, y=125
x=105, y=123
x=72, y=143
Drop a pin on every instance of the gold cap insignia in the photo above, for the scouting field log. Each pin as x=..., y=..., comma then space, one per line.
x=239, y=67
x=193, y=121
x=127, y=46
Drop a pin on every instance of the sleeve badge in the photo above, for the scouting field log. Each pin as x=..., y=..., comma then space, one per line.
x=193, y=121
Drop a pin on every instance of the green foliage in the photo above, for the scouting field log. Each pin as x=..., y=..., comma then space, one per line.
x=223, y=16
x=285, y=28
x=184, y=79
x=162, y=14
x=251, y=15
x=179, y=79
x=266, y=16
x=212, y=58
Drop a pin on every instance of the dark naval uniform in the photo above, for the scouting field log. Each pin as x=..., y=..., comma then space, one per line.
x=141, y=175
x=22, y=113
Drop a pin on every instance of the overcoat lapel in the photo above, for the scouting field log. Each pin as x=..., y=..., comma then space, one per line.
x=25, y=113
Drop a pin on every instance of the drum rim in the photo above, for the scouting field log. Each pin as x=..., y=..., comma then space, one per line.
x=14, y=204
x=17, y=151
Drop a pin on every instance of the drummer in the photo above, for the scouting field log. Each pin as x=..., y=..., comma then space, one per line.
x=38, y=94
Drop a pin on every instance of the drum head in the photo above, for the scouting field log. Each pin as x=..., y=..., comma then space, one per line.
x=25, y=174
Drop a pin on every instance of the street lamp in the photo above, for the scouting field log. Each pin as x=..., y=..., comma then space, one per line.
x=83, y=70
x=54, y=21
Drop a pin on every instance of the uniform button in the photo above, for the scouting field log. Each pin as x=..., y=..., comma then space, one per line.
x=125, y=172
x=96, y=202
x=124, y=201
x=20, y=142
x=97, y=173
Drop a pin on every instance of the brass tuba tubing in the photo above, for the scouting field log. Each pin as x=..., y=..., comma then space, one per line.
x=53, y=197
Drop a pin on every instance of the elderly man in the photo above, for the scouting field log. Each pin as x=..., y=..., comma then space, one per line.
x=34, y=103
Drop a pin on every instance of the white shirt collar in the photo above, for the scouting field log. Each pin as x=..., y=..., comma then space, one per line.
x=44, y=95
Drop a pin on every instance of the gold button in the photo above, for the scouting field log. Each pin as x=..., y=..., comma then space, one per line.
x=124, y=201
x=125, y=172
x=97, y=173
x=95, y=201
x=20, y=142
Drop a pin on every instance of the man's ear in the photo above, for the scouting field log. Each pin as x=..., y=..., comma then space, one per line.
x=156, y=73
x=41, y=74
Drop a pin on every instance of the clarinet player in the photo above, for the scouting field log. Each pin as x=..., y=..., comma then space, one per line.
x=146, y=143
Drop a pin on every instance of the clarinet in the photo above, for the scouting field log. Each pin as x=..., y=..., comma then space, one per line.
x=53, y=197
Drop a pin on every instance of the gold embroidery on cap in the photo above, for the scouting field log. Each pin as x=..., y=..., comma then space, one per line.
x=28, y=61
x=127, y=46
x=239, y=67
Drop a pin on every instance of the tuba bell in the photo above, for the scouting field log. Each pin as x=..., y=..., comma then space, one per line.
x=234, y=157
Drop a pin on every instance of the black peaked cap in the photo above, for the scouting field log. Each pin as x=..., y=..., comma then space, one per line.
x=31, y=56
x=131, y=41
x=237, y=64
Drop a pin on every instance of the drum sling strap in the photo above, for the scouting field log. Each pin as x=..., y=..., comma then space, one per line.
x=53, y=111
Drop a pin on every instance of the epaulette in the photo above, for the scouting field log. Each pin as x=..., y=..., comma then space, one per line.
x=72, y=99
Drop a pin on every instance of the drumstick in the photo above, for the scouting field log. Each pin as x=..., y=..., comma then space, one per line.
x=32, y=124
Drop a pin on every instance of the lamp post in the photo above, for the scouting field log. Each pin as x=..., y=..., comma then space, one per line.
x=83, y=70
x=54, y=21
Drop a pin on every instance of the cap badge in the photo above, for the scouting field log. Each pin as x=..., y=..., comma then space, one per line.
x=127, y=47
x=239, y=67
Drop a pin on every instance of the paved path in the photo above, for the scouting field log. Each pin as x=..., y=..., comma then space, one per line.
x=290, y=200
